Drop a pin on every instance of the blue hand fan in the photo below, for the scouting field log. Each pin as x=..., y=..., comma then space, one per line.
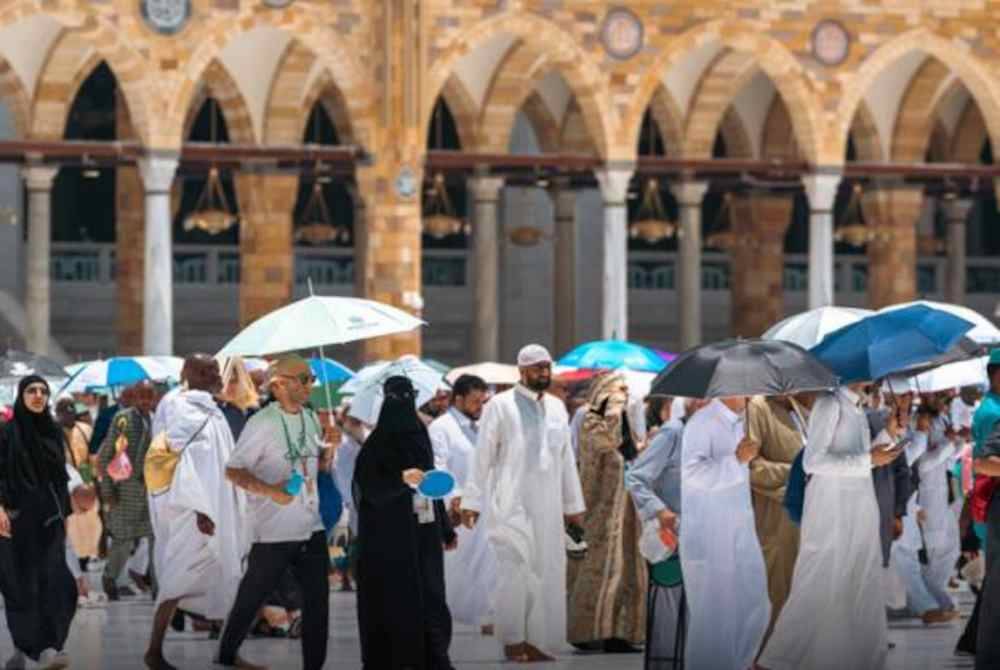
x=294, y=484
x=331, y=503
x=437, y=484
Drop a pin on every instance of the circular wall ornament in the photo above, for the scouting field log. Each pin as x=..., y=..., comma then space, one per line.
x=621, y=33
x=166, y=17
x=830, y=42
x=278, y=4
x=406, y=183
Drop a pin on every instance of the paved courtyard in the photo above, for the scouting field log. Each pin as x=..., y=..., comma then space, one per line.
x=115, y=637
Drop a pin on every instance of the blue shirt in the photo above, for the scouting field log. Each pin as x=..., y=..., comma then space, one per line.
x=654, y=480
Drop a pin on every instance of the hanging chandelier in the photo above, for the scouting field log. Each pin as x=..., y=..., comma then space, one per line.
x=316, y=225
x=440, y=220
x=211, y=212
x=652, y=224
x=722, y=238
x=856, y=233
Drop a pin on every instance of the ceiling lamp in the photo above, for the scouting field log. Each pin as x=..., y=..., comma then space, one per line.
x=440, y=220
x=852, y=229
x=211, y=214
x=722, y=238
x=652, y=224
x=316, y=226
x=526, y=236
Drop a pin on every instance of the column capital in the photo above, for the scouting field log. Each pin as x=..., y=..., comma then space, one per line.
x=688, y=192
x=158, y=172
x=821, y=189
x=956, y=210
x=614, y=182
x=39, y=177
x=486, y=189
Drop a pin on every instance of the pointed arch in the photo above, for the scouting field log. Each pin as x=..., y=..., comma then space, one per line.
x=865, y=136
x=777, y=138
x=734, y=134
x=15, y=98
x=669, y=121
x=916, y=117
x=719, y=85
x=216, y=83
x=543, y=122
x=970, y=135
x=463, y=109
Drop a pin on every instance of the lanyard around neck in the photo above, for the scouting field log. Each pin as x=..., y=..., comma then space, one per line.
x=295, y=451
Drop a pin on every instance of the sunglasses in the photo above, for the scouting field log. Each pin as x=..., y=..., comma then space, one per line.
x=304, y=378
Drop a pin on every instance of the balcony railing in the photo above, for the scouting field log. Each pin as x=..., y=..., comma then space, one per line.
x=79, y=263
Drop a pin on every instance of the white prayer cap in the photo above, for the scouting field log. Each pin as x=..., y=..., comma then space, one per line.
x=533, y=354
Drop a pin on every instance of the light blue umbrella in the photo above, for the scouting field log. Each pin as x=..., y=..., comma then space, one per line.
x=614, y=355
x=122, y=371
x=889, y=342
x=328, y=370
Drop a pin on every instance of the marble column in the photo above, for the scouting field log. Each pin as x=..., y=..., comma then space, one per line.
x=486, y=261
x=564, y=267
x=821, y=189
x=956, y=211
x=37, y=295
x=614, y=268
x=689, y=195
x=158, y=284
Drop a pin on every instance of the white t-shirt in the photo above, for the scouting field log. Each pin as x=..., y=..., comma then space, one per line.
x=267, y=451
x=961, y=414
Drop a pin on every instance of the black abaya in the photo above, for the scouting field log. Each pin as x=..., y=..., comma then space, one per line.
x=402, y=612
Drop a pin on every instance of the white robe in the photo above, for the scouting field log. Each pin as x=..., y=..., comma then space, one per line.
x=470, y=570
x=835, y=614
x=204, y=572
x=723, y=566
x=523, y=480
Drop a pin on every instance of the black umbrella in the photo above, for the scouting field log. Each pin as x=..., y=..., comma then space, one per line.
x=743, y=368
x=17, y=364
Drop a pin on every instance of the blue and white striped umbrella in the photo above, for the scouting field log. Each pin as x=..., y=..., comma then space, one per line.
x=122, y=371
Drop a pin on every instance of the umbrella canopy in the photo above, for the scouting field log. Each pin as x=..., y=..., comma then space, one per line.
x=983, y=330
x=743, y=368
x=326, y=397
x=328, y=370
x=491, y=373
x=614, y=355
x=318, y=321
x=890, y=341
x=123, y=371
x=17, y=364
x=953, y=375
x=367, y=385
x=809, y=328
x=639, y=383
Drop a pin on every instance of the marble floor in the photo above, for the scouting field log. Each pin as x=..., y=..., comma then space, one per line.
x=115, y=637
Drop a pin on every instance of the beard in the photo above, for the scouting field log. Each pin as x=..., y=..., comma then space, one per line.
x=540, y=384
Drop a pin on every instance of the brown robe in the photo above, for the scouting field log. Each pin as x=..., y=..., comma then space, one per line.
x=607, y=588
x=772, y=425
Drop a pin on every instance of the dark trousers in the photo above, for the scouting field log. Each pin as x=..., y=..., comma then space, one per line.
x=309, y=561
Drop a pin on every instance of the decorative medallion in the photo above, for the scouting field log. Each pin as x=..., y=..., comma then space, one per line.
x=830, y=42
x=621, y=33
x=406, y=183
x=278, y=4
x=166, y=17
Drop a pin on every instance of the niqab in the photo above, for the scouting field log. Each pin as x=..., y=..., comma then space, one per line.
x=36, y=454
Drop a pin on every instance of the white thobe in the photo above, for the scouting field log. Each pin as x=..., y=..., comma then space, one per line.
x=721, y=559
x=343, y=475
x=523, y=480
x=470, y=570
x=835, y=613
x=202, y=571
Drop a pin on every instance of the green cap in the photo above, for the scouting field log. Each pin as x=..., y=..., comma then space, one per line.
x=995, y=357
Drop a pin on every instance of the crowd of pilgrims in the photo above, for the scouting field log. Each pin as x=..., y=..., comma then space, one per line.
x=774, y=533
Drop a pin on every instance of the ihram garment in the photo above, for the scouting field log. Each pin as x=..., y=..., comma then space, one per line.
x=834, y=617
x=470, y=571
x=203, y=571
x=607, y=586
x=724, y=574
x=524, y=480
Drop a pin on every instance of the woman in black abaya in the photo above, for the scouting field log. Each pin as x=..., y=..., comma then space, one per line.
x=402, y=613
x=38, y=589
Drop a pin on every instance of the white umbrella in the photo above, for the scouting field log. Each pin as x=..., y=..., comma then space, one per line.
x=318, y=321
x=809, y=328
x=953, y=375
x=983, y=330
x=367, y=385
x=491, y=373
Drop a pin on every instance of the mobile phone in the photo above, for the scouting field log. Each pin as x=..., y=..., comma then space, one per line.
x=900, y=444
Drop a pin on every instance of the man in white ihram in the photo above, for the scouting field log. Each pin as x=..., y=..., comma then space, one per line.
x=525, y=465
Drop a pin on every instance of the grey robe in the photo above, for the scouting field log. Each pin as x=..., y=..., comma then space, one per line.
x=892, y=488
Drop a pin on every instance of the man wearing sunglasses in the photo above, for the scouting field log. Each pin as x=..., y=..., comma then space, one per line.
x=277, y=459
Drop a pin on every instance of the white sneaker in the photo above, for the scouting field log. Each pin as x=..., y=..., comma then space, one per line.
x=16, y=662
x=50, y=659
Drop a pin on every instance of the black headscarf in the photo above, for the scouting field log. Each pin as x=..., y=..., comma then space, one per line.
x=398, y=442
x=34, y=449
